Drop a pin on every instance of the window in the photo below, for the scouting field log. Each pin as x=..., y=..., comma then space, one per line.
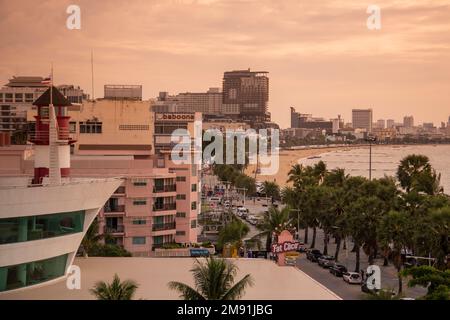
x=72, y=127
x=139, y=221
x=90, y=127
x=181, y=197
x=193, y=224
x=28, y=97
x=181, y=233
x=43, y=112
x=194, y=188
x=30, y=228
x=1, y=97
x=134, y=127
x=8, y=97
x=160, y=163
x=139, y=182
x=140, y=202
x=181, y=179
x=194, y=205
x=27, y=274
x=158, y=240
x=18, y=97
x=138, y=240
x=181, y=214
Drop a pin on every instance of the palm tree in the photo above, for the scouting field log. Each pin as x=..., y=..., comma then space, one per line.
x=396, y=228
x=232, y=233
x=91, y=238
x=116, y=290
x=416, y=174
x=273, y=220
x=214, y=280
x=271, y=189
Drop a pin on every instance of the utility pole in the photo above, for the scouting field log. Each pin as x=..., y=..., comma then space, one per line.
x=298, y=222
x=370, y=139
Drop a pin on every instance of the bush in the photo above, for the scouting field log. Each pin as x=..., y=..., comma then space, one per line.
x=108, y=250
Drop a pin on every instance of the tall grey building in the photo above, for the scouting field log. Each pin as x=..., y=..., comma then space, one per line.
x=362, y=119
x=246, y=95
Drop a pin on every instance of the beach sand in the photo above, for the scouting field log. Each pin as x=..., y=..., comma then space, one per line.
x=287, y=159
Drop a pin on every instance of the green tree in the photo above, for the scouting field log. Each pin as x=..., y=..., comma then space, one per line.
x=232, y=233
x=436, y=281
x=416, y=174
x=396, y=229
x=273, y=220
x=214, y=280
x=271, y=189
x=91, y=238
x=116, y=290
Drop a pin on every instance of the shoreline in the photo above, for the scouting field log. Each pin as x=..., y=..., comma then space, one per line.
x=289, y=157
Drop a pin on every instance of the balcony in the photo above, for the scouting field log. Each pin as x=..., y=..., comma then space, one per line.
x=163, y=226
x=112, y=230
x=165, y=207
x=119, y=191
x=118, y=208
x=165, y=188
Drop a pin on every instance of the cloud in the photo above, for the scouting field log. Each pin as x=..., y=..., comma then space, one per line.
x=187, y=44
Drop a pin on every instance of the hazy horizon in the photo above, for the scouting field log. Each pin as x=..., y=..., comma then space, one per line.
x=321, y=57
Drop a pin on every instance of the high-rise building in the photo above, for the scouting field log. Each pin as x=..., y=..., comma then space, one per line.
x=294, y=118
x=208, y=103
x=381, y=124
x=246, y=95
x=362, y=119
x=17, y=96
x=390, y=123
x=408, y=121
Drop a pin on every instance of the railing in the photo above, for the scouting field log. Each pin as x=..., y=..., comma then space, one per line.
x=163, y=226
x=43, y=135
x=165, y=207
x=165, y=188
x=118, y=229
x=119, y=208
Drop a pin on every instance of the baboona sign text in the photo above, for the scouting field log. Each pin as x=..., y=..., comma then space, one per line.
x=285, y=246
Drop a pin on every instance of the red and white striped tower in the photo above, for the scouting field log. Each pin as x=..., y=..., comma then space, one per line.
x=51, y=139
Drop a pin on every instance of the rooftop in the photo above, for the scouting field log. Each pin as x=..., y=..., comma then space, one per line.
x=153, y=274
x=25, y=81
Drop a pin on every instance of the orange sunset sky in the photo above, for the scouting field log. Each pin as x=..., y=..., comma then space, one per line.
x=321, y=57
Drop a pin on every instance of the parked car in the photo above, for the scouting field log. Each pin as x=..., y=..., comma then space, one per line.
x=302, y=248
x=313, y=254
x=290, y=260
x=325, y=261
x=338, y=270
x=352, y=278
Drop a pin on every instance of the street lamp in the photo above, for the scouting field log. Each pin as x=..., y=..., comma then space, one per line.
x=370, y=139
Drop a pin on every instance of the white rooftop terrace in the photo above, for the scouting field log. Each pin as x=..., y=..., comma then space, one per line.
x=152, y=274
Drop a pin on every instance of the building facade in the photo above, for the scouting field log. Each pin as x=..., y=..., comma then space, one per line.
x=362, y=119
x=246, y=94
x=157, y=203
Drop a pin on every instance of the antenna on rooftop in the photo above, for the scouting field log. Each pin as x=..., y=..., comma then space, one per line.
x=92, y=73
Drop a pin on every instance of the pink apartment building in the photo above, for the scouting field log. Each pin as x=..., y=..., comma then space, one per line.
x=158, y=201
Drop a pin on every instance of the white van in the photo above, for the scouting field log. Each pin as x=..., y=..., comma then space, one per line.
x=241, y=212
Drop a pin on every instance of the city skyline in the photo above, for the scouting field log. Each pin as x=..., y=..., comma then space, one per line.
x=321, y=58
